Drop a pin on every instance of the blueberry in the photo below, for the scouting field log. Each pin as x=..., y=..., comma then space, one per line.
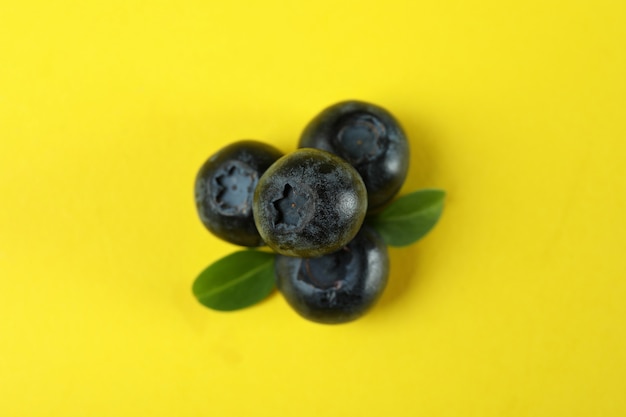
x=368, y=137
x=338, y=287
x=309, y=203
x=225, y=186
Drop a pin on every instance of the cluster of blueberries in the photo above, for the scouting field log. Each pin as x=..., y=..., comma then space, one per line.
x=311, y=206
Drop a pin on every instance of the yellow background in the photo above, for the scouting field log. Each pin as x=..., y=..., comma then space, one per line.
x=515, y=304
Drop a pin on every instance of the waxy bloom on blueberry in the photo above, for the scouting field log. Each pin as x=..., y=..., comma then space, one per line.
x=309, y=203
x=370, y=139
x=225, y=186
x=338, y=287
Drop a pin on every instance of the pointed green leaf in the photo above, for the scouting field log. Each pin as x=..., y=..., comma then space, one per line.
x=410, y=217
x=236, y=281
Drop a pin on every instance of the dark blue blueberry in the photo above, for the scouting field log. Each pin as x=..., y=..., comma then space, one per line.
x=338, y=287
x=225, y=186
x=309, y=203
x=368, y=137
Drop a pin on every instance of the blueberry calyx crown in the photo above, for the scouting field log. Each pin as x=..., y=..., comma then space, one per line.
x=233, y=188
x=361, y=138
x=326, y=272
x=294, y=208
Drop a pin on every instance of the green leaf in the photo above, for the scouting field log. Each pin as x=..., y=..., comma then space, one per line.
x=236, y=281
x=410, y=217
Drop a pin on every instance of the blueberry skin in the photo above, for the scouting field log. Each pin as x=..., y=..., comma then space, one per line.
x=339, y=287
x=309, y=203
x=225, y=186
x=370, y=139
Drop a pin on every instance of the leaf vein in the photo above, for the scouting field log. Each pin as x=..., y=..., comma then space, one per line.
x=411, y=215
x=234, y=282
